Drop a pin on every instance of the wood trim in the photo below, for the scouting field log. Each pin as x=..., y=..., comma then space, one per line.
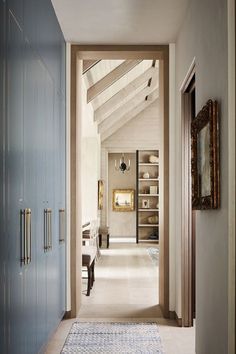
x=186, y=242
x=173, y=316
x=164, y=187
x=155, y=52
x=160, y=52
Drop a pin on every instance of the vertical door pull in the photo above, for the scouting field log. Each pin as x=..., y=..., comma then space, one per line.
x=23, y=237
x=26, y=237
x=28, y=233
x=47, y=230
x=62, y=225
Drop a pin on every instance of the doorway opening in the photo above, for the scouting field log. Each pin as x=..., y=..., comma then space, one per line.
x=79, y=54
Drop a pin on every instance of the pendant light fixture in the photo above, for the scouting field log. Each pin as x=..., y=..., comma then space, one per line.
x=122, y=166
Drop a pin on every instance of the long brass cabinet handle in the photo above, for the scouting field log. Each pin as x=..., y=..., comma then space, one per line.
x=26, y=236
x=47, y=230
x=62, y=225
x=29, y=234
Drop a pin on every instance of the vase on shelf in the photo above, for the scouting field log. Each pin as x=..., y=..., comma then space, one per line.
x=146, y=175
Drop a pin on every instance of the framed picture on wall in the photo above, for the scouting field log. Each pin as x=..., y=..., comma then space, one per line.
x=205, y=158
x=100, y=194
x=123, y=200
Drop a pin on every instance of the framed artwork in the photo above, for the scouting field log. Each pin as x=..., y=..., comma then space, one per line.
x=123, y=200
x=205, y=158
x=100, y=194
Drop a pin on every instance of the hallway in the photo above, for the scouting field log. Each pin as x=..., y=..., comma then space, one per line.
x=125, y=290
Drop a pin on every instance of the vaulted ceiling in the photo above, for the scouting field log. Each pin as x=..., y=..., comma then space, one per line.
x=119, y=90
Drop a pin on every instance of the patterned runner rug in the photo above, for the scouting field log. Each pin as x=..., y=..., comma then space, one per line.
x=113, y=338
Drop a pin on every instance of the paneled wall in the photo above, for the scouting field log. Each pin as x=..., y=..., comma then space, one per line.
x=32, y=175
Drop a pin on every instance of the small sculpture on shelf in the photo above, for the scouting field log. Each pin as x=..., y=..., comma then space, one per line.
x=154, y=235
x=145, y=204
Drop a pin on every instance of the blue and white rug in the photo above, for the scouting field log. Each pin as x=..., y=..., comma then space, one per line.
x=113, y=338
x=154, y=254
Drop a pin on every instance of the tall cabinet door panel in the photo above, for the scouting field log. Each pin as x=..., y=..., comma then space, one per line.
x=14, y=187
x=3, y=253
x=30, y=189
x=41, y=256
x=51, y=180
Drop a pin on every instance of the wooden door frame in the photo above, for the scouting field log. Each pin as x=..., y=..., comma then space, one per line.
x=186, y=202
x=83, y=52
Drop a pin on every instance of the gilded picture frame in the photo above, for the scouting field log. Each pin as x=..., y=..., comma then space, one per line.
x=205, y=158
x=100, y=194
x=123, y=200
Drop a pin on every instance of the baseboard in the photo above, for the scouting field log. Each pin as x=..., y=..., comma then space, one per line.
x=173, y=316
x=67, y=315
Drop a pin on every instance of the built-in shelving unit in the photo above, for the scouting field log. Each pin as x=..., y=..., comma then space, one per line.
x=147, y=196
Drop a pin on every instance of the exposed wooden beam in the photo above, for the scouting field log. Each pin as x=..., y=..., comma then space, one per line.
x=109, y=106
x=89, y=64
x=130, y=115
x=110, y=78
x=127, y=107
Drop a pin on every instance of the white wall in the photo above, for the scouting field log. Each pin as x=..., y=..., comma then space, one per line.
x=204, y=36
x=121, y=224
x=90, y=162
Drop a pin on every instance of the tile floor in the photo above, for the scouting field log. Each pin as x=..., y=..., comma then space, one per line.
x=126, y=290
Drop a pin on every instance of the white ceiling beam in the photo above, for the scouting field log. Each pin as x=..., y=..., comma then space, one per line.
x=89, y=64
x=110, y=78
x=109, y=106
x=122, y=110
x=130, y=115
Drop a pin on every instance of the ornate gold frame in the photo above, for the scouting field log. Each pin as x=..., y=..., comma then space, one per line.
x=116, y=207
x=206, y=118
x=100, y=194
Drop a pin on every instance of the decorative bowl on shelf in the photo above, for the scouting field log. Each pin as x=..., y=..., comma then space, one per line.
x=153, y=219
x=146, y=175
x=153, y=159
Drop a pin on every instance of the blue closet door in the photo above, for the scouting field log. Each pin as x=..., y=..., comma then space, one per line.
x=50, y=188
x=41, y=256
x=3, y=253
x=30, y=189
x=14, y=188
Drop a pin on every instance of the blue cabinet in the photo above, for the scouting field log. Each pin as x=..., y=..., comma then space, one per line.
x=3, y=278
x=32, y=175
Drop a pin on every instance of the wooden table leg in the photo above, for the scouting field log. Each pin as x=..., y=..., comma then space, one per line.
x=108, y=240
x=100, y=240
x=89, y=280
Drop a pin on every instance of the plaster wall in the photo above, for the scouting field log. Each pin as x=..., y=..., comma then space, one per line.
x=203, y=36
x=90, y=168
